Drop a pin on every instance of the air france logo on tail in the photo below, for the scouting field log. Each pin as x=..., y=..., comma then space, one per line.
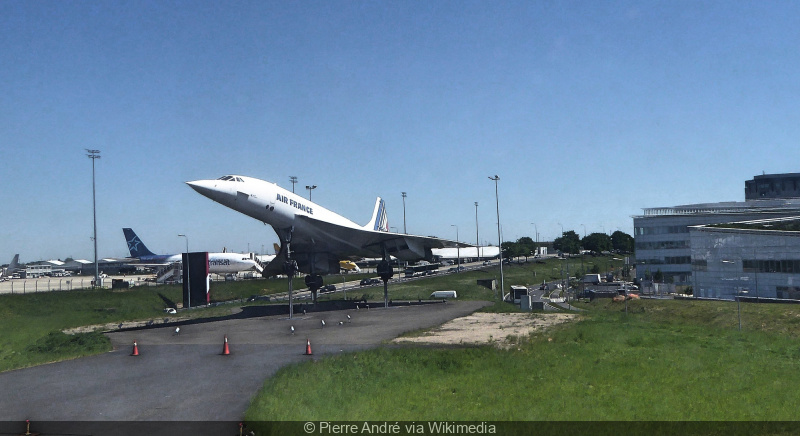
x=381, y=220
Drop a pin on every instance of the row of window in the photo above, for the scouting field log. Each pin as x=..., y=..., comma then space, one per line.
x=660, y=230
x=789, y=266
x=662, y=245
x=231, y=179
x=668, y=260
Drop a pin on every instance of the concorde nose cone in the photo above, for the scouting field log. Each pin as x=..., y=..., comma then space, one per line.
x=204, y=187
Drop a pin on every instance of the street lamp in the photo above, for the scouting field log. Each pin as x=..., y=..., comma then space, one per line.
x=477, y=234
x=293, y=179
x=93, y=155
x=188, y=277
x=404, y=213
x=309, y=190
x=458, y=250
x=499, y=240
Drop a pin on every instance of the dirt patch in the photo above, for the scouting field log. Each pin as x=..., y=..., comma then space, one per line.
x=484, y=328
x=114, y=326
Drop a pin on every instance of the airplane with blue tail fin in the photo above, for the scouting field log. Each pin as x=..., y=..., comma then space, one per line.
x=218, y=263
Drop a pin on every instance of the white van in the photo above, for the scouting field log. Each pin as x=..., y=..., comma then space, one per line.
x=444, y=294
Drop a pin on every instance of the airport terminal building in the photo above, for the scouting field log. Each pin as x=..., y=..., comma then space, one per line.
x=664, y=243
x=756, y=259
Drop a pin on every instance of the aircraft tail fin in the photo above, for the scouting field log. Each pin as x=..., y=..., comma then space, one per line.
x=135, y=245
x=379, y=221
x=14, y=265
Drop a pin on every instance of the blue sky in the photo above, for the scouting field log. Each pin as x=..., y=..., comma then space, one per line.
x=588, y=111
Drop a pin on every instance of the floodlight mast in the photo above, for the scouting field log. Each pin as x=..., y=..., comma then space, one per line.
x=499, y=239
x=94, y=154
x=477, y=232
x=404, y=213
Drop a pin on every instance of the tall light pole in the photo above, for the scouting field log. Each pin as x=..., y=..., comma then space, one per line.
x=309, y=190
x=404, y=213
x=477, y=233
x=536, y=236
x=293, y=179
x=188, y=277
x=458, y=250
x=93, y=155
x=499, y=240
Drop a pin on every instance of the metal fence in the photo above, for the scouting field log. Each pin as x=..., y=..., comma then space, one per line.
x=48, y=284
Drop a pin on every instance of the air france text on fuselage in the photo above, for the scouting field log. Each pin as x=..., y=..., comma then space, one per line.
x=295, y=204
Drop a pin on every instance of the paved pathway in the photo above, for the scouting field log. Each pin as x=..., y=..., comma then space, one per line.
x=185, y=377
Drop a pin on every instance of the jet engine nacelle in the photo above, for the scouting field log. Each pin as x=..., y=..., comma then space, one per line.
x=317, y=263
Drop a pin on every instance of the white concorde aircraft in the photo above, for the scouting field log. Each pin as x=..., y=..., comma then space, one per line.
x=318, y=239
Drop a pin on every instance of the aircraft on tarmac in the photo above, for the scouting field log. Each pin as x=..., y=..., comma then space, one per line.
x=12, y=267
x=316, y=238
x=218, y=263
x=349, y=265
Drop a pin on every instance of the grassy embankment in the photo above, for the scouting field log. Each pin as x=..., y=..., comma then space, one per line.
x=665, y=360
x=31, y=324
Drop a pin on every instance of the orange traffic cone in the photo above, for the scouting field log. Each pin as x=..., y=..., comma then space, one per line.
x=135, y=351
x=225, y=350
x=308, y=348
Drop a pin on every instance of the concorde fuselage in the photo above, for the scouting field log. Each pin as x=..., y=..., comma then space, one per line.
x=265, y=201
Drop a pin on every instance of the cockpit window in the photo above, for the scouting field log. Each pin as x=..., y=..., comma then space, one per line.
x=231, y=179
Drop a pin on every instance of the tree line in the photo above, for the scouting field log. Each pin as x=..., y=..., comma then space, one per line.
x=570, y=242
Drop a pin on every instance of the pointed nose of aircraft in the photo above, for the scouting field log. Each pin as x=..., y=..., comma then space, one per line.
x=204, y=187
x=212, y=190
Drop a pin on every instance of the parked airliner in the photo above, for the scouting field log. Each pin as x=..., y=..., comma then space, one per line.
x=218, y=263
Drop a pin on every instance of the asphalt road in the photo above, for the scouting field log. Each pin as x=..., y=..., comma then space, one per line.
x=184, y=377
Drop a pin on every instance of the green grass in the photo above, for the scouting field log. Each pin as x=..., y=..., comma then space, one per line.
x=465, y=283
x=666, y=360
x=30, y=324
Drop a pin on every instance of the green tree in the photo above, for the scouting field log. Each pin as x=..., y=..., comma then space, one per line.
x=510, y=249
x=569, y=242
x=526, y=246
x=658, y=277
x=622, y=242
x=597, y=242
